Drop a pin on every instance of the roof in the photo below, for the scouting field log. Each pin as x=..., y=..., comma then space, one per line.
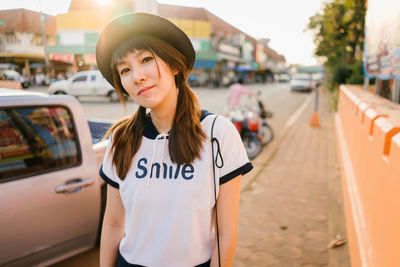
x=23, y=20
x=272, y=53
x=199, y=13
x=4, y=92
x=94, y=4
x=182, y=12
x=218, y=25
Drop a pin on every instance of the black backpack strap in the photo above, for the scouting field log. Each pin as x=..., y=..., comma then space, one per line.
x=215, y=163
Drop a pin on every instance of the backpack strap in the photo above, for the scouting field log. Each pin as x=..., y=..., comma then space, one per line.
x=215, y=163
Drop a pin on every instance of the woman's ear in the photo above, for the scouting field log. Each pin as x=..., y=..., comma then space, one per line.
x=175, y=71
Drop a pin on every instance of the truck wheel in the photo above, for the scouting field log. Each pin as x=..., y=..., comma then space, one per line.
x=59, y=93
x=113, y=96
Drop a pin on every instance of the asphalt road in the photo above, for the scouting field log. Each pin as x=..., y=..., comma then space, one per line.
x=277, y=97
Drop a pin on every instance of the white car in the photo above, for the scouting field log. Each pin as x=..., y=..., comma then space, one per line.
x=85, y=83
x=302, y=82
x=13, y=75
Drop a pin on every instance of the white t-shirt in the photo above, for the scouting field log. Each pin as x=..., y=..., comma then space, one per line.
x=169, y=215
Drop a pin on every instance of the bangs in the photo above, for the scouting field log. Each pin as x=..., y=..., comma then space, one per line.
x=130, y=47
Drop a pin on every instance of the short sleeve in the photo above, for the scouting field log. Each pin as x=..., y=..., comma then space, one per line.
x=235, y=160
x=107, y=170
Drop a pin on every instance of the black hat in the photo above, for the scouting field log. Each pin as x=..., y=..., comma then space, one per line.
x=128, y=26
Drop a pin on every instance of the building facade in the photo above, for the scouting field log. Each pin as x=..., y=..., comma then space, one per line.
x=224, y=54
x=21, y=40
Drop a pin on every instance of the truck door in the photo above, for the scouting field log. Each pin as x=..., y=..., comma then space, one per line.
x=79, y=85
x=49, y=195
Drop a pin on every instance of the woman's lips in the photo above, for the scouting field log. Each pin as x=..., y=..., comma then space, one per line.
x=145, y=89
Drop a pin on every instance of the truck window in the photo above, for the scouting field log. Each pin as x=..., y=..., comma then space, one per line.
x=93, y=78
x=80, y=79
x=36, y=140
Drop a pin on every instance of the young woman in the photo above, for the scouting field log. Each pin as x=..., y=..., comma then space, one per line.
x=159, y=165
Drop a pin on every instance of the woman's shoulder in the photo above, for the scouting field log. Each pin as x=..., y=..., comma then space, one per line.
x=221, y=124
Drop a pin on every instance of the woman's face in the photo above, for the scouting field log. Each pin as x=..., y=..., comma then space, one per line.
x=147, y=79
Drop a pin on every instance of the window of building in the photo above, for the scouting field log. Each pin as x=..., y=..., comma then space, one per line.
x=36, y=140
x=11, y=38
x=37, y=40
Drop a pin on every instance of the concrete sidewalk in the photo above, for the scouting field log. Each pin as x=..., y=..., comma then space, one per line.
x=293, y=207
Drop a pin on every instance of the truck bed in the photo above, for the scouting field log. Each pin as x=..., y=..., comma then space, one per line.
x=98, y=129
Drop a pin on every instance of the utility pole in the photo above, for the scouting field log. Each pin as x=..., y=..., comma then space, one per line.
x=314, y=121
x=44, y=18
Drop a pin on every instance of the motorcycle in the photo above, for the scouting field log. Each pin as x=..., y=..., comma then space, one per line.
x=252, y=125
x=247, y=124
x=266, y=132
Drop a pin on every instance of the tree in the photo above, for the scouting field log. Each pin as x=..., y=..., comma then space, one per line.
x=339, y=39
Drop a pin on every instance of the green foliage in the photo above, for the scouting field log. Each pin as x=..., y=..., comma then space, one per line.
x=339, y=39
x=357, y=73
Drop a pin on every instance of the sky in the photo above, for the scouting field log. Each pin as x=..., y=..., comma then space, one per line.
x=282, y=21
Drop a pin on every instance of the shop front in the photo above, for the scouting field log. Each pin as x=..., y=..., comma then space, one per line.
x=203, y=73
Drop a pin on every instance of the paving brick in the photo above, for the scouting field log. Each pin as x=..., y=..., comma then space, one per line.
x=242, y=253
x=262, y=259
x=283, y=219
x=316, y=235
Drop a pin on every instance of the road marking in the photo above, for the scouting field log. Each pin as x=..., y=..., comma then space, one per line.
x=298, y=112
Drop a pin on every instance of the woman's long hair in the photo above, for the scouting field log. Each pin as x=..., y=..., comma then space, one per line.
x=186, y=135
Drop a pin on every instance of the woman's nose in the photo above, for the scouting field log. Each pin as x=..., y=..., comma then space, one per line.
x=138, y=76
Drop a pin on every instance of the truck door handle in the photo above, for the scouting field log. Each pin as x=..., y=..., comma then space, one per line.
x=73, y=186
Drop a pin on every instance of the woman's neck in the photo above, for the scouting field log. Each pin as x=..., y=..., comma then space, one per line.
x=162, y=122
x=163, y=116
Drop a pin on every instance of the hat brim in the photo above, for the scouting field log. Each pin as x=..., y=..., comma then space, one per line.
x=128, y=26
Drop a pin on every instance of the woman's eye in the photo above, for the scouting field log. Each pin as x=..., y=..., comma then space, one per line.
x=147, y=59
x=124, y=70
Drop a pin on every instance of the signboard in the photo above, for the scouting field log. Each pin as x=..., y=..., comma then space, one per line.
x=89, y=59
x=382, y=39
x=69, y=58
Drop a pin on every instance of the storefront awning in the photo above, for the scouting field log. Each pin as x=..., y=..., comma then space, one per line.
x=236, y=59
x=72, y=49
x=204, y=64
x=244, y=67
x=36, y=65
x=21, y=55
x=206, y=55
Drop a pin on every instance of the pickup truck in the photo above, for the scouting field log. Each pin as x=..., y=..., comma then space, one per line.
x=51, y=193
x=85, y=83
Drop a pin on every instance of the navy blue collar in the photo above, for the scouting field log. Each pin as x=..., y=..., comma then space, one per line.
x=150, y=131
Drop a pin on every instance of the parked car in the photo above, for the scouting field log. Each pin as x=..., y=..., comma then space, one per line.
x=284, y=78
x=52, y=196
x=302, y=82
x=85, y=83
x=13, y=75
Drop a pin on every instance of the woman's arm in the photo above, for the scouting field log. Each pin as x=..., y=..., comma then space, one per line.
x=228, y=209
x=113, y=228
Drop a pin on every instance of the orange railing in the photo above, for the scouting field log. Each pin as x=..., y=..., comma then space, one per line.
x=368, y=134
